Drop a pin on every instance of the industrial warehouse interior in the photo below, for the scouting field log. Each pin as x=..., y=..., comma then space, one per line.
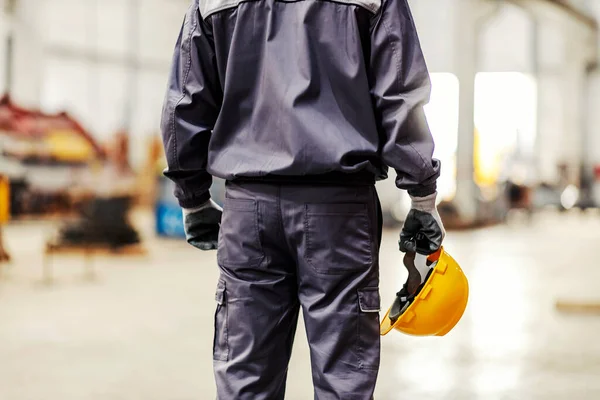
x=101, y=298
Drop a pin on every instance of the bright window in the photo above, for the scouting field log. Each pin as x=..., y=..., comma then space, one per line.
x=442, y=115
x=505, y=125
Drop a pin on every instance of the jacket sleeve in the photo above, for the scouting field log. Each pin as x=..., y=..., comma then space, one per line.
x=190, y=110
x=400, y=87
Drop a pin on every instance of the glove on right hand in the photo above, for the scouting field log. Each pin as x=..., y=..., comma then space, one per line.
x=423, y=230
x=202, y=225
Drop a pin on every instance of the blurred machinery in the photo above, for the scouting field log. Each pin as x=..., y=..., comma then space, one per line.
x=102, y=227
x=44, y=156
x=55, y=167
x=103, y=217
x=4, y=214
x=102, y=222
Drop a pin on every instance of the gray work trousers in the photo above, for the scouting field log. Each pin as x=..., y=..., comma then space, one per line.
x=286, y=246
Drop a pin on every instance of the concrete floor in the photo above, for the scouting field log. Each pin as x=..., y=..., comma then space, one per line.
x=143, y=329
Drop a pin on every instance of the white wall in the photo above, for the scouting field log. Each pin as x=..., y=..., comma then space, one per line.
x=76, y=55
x=593, y=117
x=3, y=33
x=505, y=42
x=27, y=48
x=99, y=90
x=436, y=21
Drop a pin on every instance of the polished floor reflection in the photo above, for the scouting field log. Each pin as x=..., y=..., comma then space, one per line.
x=143, y=329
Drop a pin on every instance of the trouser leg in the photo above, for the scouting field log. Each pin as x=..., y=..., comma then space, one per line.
x=257, y=309
x=338, y=231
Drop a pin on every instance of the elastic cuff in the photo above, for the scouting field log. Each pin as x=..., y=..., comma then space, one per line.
x=423, y=191
x=426, y=204
x=204, y=206
x=195, y=201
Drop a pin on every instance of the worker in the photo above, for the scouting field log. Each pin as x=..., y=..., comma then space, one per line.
x=300, y=106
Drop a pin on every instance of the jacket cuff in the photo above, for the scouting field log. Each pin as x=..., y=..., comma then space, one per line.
x=423, y=191
x=194, y=201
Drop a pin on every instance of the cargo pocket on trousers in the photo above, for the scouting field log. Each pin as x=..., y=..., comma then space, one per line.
x=338, y=237
x=220, y=344
x=369, y=306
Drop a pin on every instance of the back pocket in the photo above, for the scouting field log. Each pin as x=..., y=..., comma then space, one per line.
x=338, y=237
x=239, y=239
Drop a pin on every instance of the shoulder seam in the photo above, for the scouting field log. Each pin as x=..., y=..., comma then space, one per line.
x=207, y=10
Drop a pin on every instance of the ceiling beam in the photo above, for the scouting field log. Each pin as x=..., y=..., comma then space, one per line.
x=565, y=7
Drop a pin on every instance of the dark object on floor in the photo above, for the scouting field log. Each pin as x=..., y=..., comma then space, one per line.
x=88, y=252
x=519, y=196
x=4, y=257
x=17, y=201
x=103, y=221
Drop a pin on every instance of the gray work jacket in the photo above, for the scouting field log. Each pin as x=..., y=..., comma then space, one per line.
x=297, y=89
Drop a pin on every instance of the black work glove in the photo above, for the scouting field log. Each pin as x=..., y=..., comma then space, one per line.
x=202, y=225
x=423, y=231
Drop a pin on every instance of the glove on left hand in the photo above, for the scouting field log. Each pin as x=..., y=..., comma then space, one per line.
x=202, y=225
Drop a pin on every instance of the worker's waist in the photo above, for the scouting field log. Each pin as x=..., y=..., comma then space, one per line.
x=359, y=178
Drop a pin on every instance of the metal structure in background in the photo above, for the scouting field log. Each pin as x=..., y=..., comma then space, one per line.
x=588, y=67
x=467, y=43
x=572, y=10
x=473, y=19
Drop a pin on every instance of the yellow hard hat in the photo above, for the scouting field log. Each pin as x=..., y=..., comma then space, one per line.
x=437, y=307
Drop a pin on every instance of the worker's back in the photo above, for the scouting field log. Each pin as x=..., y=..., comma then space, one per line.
x=324, y=90
x=295, y=87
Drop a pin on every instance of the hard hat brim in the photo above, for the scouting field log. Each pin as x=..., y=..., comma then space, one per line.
x=456, y=302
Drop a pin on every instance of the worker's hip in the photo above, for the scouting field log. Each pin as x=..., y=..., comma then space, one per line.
x=336, y=229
